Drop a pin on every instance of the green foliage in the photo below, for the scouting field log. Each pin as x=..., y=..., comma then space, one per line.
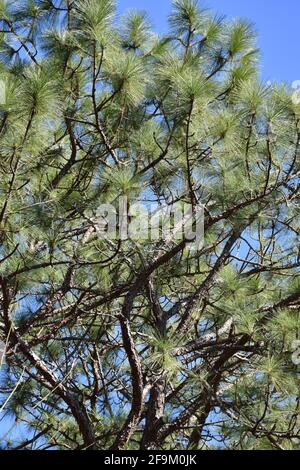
x=94, y=16
x=136, y=30
x=241, y=38
x=127, y=72
x=186, y=16
x=145, y=343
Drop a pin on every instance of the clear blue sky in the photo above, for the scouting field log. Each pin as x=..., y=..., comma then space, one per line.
x=277, y=23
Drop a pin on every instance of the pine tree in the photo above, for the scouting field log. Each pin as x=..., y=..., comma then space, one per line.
x=140, y=344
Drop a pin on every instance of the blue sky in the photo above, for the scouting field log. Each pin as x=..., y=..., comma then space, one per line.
x=276, y=22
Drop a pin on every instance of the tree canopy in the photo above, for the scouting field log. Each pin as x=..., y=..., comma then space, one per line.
x=142, y=344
